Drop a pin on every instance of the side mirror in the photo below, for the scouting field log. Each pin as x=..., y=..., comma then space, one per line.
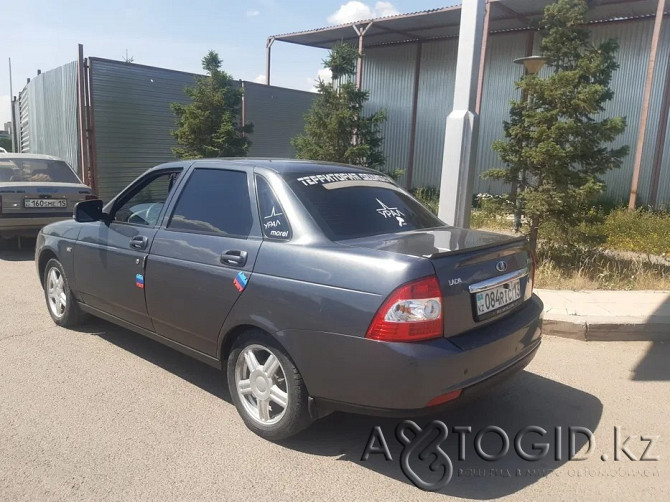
x=88, y=210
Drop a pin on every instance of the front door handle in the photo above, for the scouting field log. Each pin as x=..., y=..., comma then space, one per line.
x=139, y=242
x=234, y=257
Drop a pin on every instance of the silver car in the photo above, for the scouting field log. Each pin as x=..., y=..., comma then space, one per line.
x=36, y=190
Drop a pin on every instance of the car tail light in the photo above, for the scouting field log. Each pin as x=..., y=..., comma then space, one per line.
x=412, y=312
x=91, y=196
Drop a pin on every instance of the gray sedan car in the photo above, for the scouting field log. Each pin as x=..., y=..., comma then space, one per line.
x=36, y=190
x=316, y=286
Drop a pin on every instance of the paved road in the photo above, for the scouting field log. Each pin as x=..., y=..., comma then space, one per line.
x=102, y=413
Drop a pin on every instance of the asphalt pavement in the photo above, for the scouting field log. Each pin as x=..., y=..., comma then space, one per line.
x=101, y=413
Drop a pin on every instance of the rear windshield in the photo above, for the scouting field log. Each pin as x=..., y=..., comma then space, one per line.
x=36, y=170
x=351, y=205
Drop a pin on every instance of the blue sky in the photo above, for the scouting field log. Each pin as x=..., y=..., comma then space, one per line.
x=44, y=34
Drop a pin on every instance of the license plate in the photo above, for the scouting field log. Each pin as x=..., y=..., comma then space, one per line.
x=44, y=203
x=498, y=297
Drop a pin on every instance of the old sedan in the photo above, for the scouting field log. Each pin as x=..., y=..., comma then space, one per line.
x=317, y=286
x=36, y=190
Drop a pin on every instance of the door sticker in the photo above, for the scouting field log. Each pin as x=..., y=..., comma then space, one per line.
x=391, y=212
x=139, y=281
x=240, y=282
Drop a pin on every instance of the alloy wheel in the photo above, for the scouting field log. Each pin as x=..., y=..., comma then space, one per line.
x=56, y=292
x=260, y=382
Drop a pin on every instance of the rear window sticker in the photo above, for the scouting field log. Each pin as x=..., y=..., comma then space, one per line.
x=240, y=282
x=321, y=179
x=391, y=212
x=139, y=281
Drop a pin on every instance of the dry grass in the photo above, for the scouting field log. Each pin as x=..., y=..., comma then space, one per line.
x=563, y=267
x=589, y=269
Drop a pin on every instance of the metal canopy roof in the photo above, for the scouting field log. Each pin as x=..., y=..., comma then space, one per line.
x=505, y=15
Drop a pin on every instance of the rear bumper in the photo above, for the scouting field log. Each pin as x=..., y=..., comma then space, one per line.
x=380, y=378
x=11, y=226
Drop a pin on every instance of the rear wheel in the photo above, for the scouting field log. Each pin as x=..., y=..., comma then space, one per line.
x=61, y=303
x=266, y=387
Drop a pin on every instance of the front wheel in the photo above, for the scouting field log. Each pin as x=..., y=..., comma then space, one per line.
x=61, y=303
x=266, y=387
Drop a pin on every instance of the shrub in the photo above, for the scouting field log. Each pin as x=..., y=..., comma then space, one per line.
x=428, y=196
x=642, y=231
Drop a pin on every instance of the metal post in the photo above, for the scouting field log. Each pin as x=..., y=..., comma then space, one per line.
x=11, y=103
x=642, y=128
x=268, y=48
x=412, y=132
x=460, y=138
x=660, y=139
x=244, y=107
x=359, y=65
x=15, y=129
x=518, y=184
x=82, y=117
x=482, y=59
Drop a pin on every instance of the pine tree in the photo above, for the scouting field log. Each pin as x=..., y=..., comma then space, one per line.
x=557, y=145
x=210, y=125
x=336, y=128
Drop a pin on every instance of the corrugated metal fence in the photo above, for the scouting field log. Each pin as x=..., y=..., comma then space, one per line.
x=388, y=75
x=131, y=119
x=48, y=115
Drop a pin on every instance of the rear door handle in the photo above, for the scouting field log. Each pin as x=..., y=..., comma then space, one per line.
x=234, y=257
x=139, y=242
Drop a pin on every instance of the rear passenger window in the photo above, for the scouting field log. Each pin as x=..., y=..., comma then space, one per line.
x=273, y=219
x=214, y=201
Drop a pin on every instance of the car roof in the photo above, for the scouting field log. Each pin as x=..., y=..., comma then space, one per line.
x=36, y=156
x=289, y=166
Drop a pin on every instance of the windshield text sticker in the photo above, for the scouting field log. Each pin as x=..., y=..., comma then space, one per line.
x=391, y=212
x=320, y=179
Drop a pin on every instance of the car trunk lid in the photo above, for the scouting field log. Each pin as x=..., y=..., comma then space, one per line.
x=26, y=198
x=486, y=274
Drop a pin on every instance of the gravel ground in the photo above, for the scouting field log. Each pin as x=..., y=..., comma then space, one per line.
x=102, y=413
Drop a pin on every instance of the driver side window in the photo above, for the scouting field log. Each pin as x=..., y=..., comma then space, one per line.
x=145, y=203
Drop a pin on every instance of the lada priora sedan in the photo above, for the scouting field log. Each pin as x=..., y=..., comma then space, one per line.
x=316, y=286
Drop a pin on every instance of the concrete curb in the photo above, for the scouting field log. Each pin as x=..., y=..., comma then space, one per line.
x=607, y=329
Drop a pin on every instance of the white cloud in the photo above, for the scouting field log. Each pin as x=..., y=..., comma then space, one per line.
x=383, y=9
x=323, y=74
x=254, y=13
x=260, y=79
x=354, y=10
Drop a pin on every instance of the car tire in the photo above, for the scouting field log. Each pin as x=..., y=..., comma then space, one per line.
x=61, y=303
x=269, y=394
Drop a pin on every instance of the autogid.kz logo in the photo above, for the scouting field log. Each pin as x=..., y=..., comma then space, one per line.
x=425, y=462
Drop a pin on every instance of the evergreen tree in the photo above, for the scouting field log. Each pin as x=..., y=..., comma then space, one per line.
x=336, y=129
x=210, y=125
x=557, y=144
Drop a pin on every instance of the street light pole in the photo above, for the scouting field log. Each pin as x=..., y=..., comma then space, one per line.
x=532, y=66
x=11, y=103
